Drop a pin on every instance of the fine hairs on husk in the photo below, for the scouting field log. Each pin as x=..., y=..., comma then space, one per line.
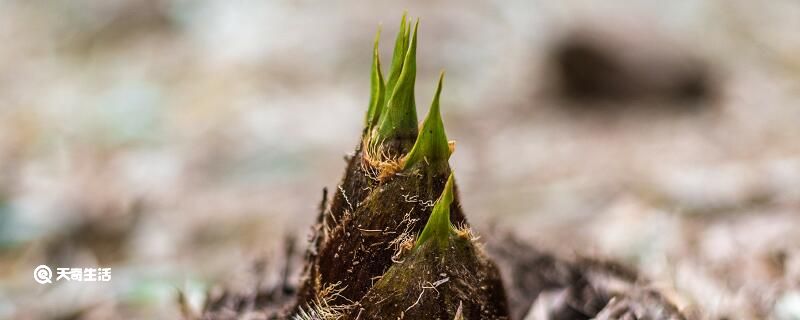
x=435, y=283
x=445, y=276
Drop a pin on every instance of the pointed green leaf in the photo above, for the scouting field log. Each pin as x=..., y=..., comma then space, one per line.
x=399, y=117
x=400, y=48
x=376, y=85
x=438, y=227
x=431, y=145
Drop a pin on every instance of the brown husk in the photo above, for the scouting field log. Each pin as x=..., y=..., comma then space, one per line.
x=435, y=282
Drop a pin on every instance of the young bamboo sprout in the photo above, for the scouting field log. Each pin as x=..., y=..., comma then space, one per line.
x=387, y=194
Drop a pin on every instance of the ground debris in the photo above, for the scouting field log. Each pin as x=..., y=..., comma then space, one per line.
x=542, y=285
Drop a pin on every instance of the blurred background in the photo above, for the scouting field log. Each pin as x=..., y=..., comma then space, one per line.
x=179, y=142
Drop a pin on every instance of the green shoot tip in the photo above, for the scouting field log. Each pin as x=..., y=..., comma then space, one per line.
x=431, y=145
x=377, y=86
x=398, y=55
x=399, y=117
x=438, y=227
